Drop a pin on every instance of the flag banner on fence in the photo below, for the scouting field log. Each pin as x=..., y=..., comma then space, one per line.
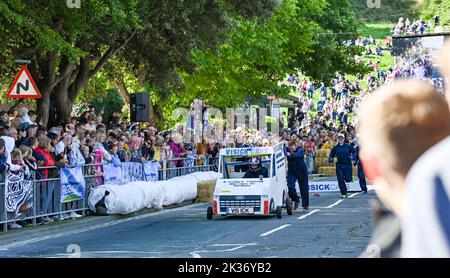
x=112, y=174
x=132, y=171
x=151, y=170
x=73, y=185
x=19, y=193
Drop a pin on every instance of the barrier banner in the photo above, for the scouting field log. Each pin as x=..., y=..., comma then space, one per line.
x=332, y=186
x=19, y=193
x=112, y=174
x=151, y=170
x=73, y=186
x=132, y=171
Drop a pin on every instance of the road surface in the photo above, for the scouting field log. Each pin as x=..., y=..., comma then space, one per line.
x=331, y=228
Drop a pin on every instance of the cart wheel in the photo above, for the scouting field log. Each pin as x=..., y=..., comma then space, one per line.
x=278, y=212
x=289, y=207
x=209, y=213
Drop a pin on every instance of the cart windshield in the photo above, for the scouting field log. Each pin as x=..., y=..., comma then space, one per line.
x=235, y=167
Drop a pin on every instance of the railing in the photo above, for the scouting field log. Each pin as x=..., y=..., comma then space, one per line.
x=47, y=192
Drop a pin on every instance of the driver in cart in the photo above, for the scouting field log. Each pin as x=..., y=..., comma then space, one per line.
x=256, y=169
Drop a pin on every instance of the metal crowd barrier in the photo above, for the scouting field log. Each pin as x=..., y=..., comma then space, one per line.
x=47, y=192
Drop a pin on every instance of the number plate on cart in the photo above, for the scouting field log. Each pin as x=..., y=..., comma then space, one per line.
x=239, y=210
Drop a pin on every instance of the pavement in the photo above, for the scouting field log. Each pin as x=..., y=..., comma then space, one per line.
x=331, y=228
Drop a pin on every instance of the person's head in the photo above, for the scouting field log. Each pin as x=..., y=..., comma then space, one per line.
x=44, y=143
x=292, y=146
x=349, y=137
x=91, y=119
x=137, y=142
x=70, y=128
x=255, y=163
x=73, y=121
x=82, y=139
x=120, y=144
x=32, y=115
x=41, y=131
x=90, y=142
x=398, y=123
x=67, y=139
x=98, y=119
x=12, y=132
x=148, y=143
x=177, y=139
x=32, y=142
x=31, y=130
x=14, y=113
x=53, y=138
x=2, y=146
x=26, y=151
x=4, y=116
x=100, y=137
x=16, y=156
x=79, y=129
x=91, y=109
x=85, y=151
x=114, y=149
x=85, y=115
x=151, y=130
x=341, y=139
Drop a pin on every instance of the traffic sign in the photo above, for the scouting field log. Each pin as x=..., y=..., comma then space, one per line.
x=23, y=86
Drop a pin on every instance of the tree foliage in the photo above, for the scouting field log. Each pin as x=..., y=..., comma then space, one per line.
x=303, y=35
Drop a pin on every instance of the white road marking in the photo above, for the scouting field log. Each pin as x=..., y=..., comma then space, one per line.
x=335, y=204
x=354, y=194
x=308, y=214
x=234, y=244
x=274, y=230
x=95, y=227
x=91, y=253
x=196, y=254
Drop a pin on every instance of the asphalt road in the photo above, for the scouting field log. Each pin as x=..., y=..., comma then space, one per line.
x=331, y=228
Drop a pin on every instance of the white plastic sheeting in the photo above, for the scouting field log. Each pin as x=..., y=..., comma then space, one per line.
x=134, y=196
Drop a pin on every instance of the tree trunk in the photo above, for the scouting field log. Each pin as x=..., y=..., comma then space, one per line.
x=43, y=108
x=63, y=102
x=123, y=91
x=154, y=120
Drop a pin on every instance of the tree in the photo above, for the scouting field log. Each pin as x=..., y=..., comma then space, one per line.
x=67, y=47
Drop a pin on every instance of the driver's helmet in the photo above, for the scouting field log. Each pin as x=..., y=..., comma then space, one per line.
x=255, y=161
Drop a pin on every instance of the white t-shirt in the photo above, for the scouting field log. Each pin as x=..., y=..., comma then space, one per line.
x=426, y=223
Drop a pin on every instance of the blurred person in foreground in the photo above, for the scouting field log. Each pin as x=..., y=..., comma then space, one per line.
x=426, y=224
x=410, y=118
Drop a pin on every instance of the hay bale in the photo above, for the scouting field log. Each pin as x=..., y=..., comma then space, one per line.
x=323, y=153
x=205, y=191
x=320, y=162
x=327, y=171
